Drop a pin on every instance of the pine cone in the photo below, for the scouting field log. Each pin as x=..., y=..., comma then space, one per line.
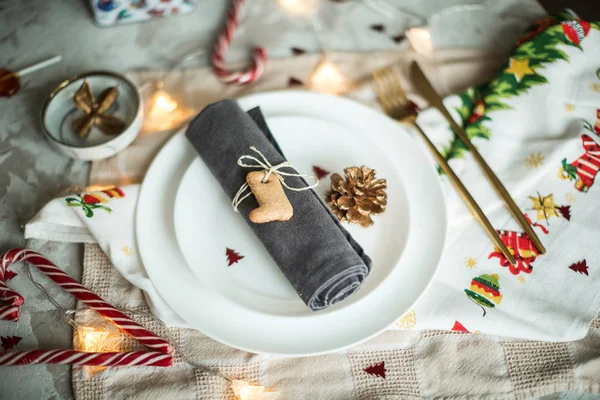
x=357, y=197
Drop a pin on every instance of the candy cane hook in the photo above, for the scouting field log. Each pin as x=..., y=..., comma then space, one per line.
x=259, y=54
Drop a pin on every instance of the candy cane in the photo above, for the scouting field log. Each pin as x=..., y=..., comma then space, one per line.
x=13, y=300
x=74, y=357
x=259, y=54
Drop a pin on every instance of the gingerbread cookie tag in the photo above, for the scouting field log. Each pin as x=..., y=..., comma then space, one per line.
x=273, y=204
x=267, y=186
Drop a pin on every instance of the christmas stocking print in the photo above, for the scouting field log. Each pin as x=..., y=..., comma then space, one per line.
x=584, y=169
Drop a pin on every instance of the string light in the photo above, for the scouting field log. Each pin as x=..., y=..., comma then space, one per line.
x=327, y=78
x=244, y=391
x=164, y=111
x=420, y=40
x=299, y=7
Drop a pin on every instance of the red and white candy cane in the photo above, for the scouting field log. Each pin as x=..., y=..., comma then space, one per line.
x=10, y=312
x=74, y=357
x=259, y=54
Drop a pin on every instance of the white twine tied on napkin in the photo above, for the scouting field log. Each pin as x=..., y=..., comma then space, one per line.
x=269, y=169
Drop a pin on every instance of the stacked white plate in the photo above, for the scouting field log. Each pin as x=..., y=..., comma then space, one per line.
x=185, y=223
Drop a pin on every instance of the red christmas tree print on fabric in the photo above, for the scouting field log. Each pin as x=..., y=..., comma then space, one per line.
x=9, y=342
x=580, y=267
x=376, y=370
x=232, y=256
x=458, y=327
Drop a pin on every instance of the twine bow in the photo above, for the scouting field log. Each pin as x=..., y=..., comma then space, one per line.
x=269, y=169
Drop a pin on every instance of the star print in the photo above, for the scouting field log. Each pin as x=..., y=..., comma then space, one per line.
x=470, y=262
x=127, y=251
x=534, y=160
x=569, y=107
x=570, y=197
x=595, y=87
x=408, y=321
x=521, y=279
x=520, y=68
x=544, y=206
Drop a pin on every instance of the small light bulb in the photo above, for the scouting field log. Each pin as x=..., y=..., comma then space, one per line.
x=299, y=7
x=327, y=78
x=163, y=102
x=244, y=391
x=91, y=339
x=420, y=40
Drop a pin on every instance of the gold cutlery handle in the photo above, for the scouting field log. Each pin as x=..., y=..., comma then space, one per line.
x=429, y=93
x=466, y=196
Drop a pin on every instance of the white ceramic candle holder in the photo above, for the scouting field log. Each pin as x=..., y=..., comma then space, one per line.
x=59, y=111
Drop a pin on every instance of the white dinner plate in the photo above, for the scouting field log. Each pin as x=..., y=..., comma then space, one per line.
x=185, y=222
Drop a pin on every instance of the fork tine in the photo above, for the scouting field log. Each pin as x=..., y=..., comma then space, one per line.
x=401, y=96
x=380, y=86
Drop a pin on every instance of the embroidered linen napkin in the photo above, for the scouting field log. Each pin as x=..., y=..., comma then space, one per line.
x=313, y=250
x=105, y=217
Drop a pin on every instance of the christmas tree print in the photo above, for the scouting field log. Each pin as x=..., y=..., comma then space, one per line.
x=565, y=211
x=376, y=370
x=522, y=71
x=232, y=256
x=485, y=291
x=320, y=172
x=458, y=327
x=472, y=114
x=580, y=267
x=585, y=168
x=9, y=274
x=9, y=342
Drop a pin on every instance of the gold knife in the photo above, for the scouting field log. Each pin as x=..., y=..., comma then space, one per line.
x=425, y=88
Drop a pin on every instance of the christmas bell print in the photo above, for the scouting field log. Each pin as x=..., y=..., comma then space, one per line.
x=485, y=291
x=576, y=31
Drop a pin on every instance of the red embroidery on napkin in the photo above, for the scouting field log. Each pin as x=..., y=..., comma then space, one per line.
x=94, y=200
x=376, y=370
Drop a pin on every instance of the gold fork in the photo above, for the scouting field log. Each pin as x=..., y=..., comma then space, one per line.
x=395, y=104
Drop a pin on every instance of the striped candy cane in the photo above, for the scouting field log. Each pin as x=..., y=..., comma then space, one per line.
x=259, y=54
x=13, y=300
x=74, y=357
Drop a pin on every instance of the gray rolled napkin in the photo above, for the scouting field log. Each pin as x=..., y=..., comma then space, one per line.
x=315, y=253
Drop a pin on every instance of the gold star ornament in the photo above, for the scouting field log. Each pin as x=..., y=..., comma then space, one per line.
x=519, y=68
x=544, y=206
